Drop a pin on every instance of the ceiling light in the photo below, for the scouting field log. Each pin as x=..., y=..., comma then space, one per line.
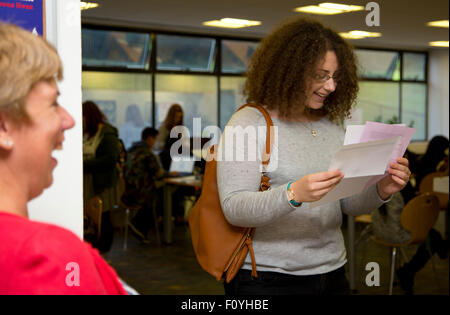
x=359, y=34
x=342, y=7
x=328, y=8
x=441, y=23
x=231, y=23
x=314, y=9
x=88, y=5
x=441, y=43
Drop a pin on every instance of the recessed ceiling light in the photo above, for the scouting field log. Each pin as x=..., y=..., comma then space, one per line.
x=88, y=5
x=441, y=23
x=342, y=7
x=441, y=43
x=231, y=23
x=359, y=34
x=328, y=8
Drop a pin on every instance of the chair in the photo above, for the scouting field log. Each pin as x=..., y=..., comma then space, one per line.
x=426, y=185
x=130, y=211
x=418, y=216
x=363, y=219
x=93, y=214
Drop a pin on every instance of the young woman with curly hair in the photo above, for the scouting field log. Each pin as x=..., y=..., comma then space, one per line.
x=304, y=74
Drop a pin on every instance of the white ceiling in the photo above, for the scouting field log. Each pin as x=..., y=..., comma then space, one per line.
x=402, y=22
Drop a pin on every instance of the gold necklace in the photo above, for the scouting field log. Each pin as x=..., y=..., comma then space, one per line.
x=313, y=131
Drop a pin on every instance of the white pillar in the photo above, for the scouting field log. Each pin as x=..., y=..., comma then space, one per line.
x=438, y=93
x=62, y=203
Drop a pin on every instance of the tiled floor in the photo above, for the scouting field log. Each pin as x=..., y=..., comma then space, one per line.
x=173, y=269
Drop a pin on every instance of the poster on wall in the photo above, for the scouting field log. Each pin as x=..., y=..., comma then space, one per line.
x=28, y=14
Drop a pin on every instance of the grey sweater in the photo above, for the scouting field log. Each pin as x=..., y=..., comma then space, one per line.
x=298, y=241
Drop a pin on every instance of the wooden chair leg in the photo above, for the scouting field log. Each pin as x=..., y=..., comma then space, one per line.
x=393, y=258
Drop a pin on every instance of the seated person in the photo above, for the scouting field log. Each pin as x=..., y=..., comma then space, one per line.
x=35, y=257
x=142, y=172
x=386, y=220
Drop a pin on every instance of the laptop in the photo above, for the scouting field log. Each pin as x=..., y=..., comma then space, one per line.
x=184, y=166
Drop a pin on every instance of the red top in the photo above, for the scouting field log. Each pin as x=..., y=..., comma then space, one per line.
x=40, y=258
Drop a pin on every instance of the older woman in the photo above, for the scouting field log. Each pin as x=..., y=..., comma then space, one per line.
x=37, y=258
x=305, y=76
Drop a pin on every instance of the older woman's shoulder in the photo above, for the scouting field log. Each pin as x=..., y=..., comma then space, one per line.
x=41, y=258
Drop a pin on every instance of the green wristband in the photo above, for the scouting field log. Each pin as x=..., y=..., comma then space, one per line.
x=292, y=201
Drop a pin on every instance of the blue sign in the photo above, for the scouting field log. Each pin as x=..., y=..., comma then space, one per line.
x=28, y=14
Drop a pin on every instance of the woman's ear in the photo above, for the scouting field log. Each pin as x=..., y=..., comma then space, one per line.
x=6, y=143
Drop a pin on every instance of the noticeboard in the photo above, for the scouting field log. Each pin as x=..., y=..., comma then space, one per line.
x=28, y=14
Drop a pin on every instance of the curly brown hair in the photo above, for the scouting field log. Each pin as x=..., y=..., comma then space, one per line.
x=282, y=68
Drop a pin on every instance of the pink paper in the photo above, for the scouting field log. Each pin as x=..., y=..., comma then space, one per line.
x=377, y=131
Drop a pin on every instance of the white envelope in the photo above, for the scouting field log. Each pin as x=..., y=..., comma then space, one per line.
x=360, y=163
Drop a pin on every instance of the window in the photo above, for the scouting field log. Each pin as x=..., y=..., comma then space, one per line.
x=231, y=97
x=189, y=70
x=414, y=66
x=374, y=64
x=115, y=49
x=197, y=95
x=125, y=99
x=379, y=101
x=182, y=53
x=386, y=96
x=414, y=100
x=236, y=55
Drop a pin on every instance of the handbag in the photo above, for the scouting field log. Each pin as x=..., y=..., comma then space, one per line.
x=220, y=247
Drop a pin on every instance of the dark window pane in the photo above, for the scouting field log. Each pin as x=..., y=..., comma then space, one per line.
x=236, y=55
x=373, y=64
x=182, y=53
x=414, y=66
x=115, y=49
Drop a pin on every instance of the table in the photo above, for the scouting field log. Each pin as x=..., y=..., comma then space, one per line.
x=170, y=185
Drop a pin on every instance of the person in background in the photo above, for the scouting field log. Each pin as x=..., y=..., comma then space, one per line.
x=142, y=171
x=35, y=257
x=164, y=142
x=386, y=223
x=134, y=123
x=305, y=75
x=101, y=154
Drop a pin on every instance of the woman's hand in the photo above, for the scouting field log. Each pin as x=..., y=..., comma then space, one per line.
x=396, y=180
x=313, y=187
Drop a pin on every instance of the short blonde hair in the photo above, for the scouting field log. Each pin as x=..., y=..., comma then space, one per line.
x=25, y=59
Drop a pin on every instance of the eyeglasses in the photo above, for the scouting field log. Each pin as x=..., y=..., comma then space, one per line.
x=323, y=76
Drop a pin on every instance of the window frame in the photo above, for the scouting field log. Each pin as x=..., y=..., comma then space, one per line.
x=401, y=81
x=217, y=72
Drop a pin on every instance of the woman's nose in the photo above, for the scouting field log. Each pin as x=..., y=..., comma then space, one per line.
x=330, y=85
x=67, y=120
